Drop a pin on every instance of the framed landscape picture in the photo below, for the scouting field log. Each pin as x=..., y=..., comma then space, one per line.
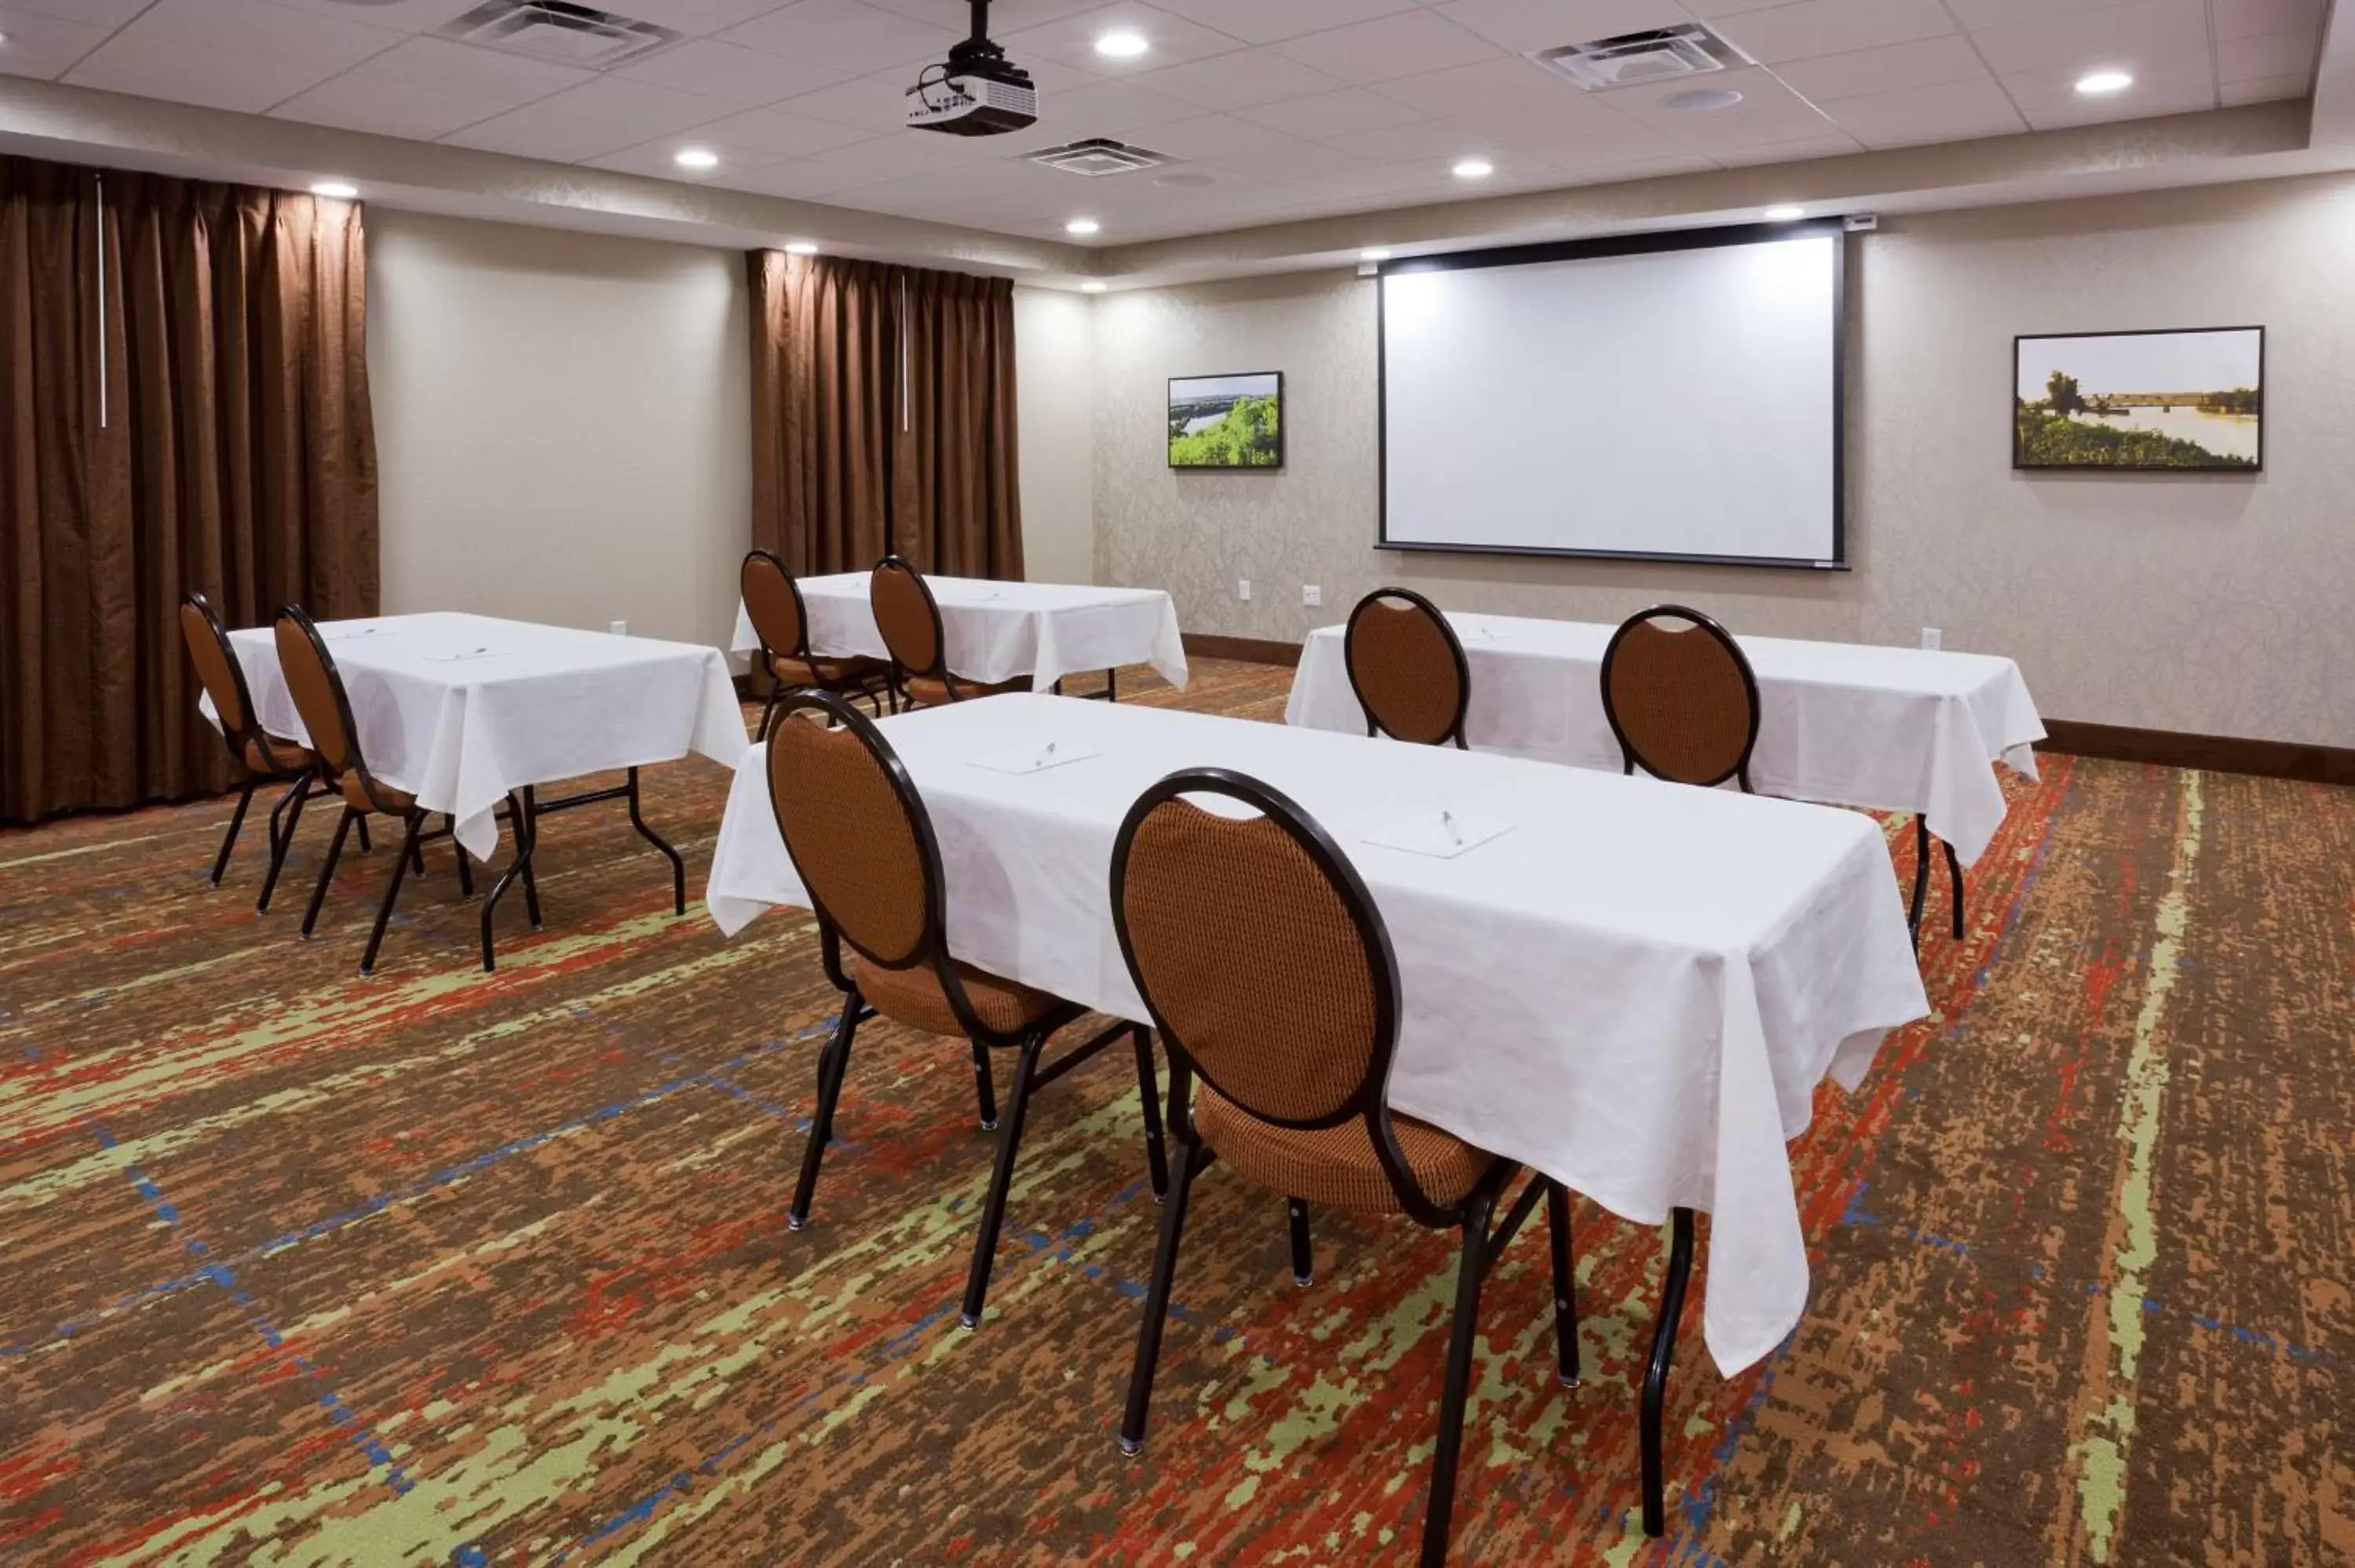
x=1227, y=422
x=2156, y=401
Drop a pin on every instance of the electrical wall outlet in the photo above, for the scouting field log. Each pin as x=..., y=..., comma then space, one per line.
x=1933, y=639
x=1310, y=594
x=1242, y=589
x=618, y=628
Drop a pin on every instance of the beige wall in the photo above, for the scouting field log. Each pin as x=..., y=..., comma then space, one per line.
x=1054, y=370
x=2208, y=604
x=563, y=424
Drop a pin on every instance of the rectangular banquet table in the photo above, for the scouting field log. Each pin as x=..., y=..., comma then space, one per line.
x=1635, y=988
x=997, y=630
x=462, y=710
x=1893, y=730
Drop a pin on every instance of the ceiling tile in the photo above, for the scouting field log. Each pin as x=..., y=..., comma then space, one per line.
x=2267, y=54
x=2095, y=111
x=1004, y=16
x=801, y=181
x=1425, y=141
x=2056, y=89
x=227, y=53
x=1238, y=80
x=2250, y=18
x=1332, y=113
x=1109, y=109
x=1390, y=47
x=1815, y=27
x=1977, y=15
x=847, y=36
x=897, y=157
x=108, y=14
x=44, y=46
x=1768, y=111
x=1926, y=62
x=1212, y=136
x=730, y=72
x=1834, y=146
x=1173, y=40
x=397, y=16
x=1262, y=22
x=1511, y=83
x=2266, y=89
x=1955, y=110
x=1580, y=133
x=769, y=135
x=1527, y=26
x=427, y=88
x=1710, y=10
x=874, y=103
x=693, y=17
x=2079, y=41
x=657, y=159
x=599, y=116
x=1291, y=159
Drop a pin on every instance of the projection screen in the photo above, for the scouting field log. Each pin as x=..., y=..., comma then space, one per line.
x=1662, y=396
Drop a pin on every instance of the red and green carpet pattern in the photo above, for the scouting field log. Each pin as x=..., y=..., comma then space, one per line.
x=448, y=1268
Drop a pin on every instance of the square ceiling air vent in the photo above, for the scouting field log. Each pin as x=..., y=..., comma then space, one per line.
x=559, y=31
x=1099, y=155
x=1639, y=59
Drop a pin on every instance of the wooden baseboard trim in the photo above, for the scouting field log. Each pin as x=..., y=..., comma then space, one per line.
x=1250, y=649
x=2213, y=753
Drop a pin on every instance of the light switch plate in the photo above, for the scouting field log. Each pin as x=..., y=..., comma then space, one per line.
x=1310, y=594
x=618, y=628
x=1933, y=639
x=1242, y=588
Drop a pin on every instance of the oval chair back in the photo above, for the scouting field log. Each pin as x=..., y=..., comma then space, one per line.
x=1290, y=1016
x=773, y=601
x=1682, y=700
x=1407, y=668
x=908, y=617
x=223, y=678
x=318, y=688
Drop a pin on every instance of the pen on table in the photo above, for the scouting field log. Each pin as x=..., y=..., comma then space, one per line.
x=1447, y=821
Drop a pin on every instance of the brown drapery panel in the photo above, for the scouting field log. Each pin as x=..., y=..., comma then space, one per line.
x=226, y=445
x=883, y=416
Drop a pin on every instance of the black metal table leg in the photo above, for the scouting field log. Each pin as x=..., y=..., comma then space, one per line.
x=1955, y=874
x=678, y=866
x=520, y=819
x=1920, y=876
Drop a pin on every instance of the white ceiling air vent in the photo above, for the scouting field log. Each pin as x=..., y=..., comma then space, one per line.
x=1638, y=59
x=1099, y=155
x=558, y=30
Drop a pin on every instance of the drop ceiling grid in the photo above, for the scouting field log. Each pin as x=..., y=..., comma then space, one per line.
x=1297, y=109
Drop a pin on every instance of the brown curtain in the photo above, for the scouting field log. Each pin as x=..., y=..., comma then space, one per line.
x=226, y=445
x=883, y=416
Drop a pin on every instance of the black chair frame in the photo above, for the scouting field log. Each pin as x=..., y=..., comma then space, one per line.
x=1630, y=758
x=1454, y=650
x=870, y=689
x=931, y=951
x=1481, y=1244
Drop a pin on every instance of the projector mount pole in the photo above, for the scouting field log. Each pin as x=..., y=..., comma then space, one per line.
x=976, y=48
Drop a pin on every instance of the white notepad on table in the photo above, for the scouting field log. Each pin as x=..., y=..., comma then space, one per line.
x=1440, y=832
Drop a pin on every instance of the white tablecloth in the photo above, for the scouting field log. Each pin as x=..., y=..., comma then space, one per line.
x=459, y=730
x=1636, y=988
x=1893, y=730
x=997, y=630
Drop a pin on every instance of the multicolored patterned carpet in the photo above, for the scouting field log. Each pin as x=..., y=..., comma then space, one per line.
x=451, y=1268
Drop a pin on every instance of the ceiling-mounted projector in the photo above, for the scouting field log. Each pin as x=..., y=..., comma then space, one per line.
x=976, y=92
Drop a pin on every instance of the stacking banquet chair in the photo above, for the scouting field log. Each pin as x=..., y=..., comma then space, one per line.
x=1407, y=668
x=1269, y=974
x=318, y=688
x=774, y=601
x=862, y=843
x=1681, y=701
x=262, y=757
x=909, y=619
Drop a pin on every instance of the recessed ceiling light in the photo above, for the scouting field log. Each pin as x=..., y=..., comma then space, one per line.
x=341, y=190
x=1081, y=225
x=1376, y=254
x=801, y=248
x=1696, y=99
x=1092, y=287
x=695, y=158
x=1785, y=212
x=2097, y=83
x=1121, y=46
x=1473, y=169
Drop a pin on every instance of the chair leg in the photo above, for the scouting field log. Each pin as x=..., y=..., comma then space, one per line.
x=1954, y=876
x=282, y=838
x=327, y=869
x=1656, y=1380
x=984, y=1088
x=367, y=845
x=235, y=820
x=1157, y=1301
x=409, y=853
x=1921, y=877
x=1148, y=1093
x=1304, y=1256
x=416, y=853
x=1453, y=1395
x=833, y=1064
x=1565, y=1285
x=1001, y=1180
x=768, y=713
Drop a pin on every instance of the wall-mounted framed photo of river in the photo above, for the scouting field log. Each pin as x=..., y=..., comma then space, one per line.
x=1233, y=422
x=2157, y=402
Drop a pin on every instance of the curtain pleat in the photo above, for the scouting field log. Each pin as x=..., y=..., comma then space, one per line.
x=237, y=456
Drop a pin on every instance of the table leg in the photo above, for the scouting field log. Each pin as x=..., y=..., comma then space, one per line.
x=1920, y=876
x=678, y=866
x=1955, y=874
x=526, y=834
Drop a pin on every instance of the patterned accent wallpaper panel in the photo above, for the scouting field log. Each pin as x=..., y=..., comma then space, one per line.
x=2211, y=603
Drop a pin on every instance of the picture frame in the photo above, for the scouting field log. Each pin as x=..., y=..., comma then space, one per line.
x=2152, y=400
x=1232, y=423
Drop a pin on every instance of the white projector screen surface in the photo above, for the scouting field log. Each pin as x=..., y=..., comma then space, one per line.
x=1661, y=403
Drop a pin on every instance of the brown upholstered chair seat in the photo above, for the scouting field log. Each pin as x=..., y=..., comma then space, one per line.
x=1337, y=1165
x=927, y=693
x=796, y=672
x=914, y=997
x=396, y=801
x=291, y=757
